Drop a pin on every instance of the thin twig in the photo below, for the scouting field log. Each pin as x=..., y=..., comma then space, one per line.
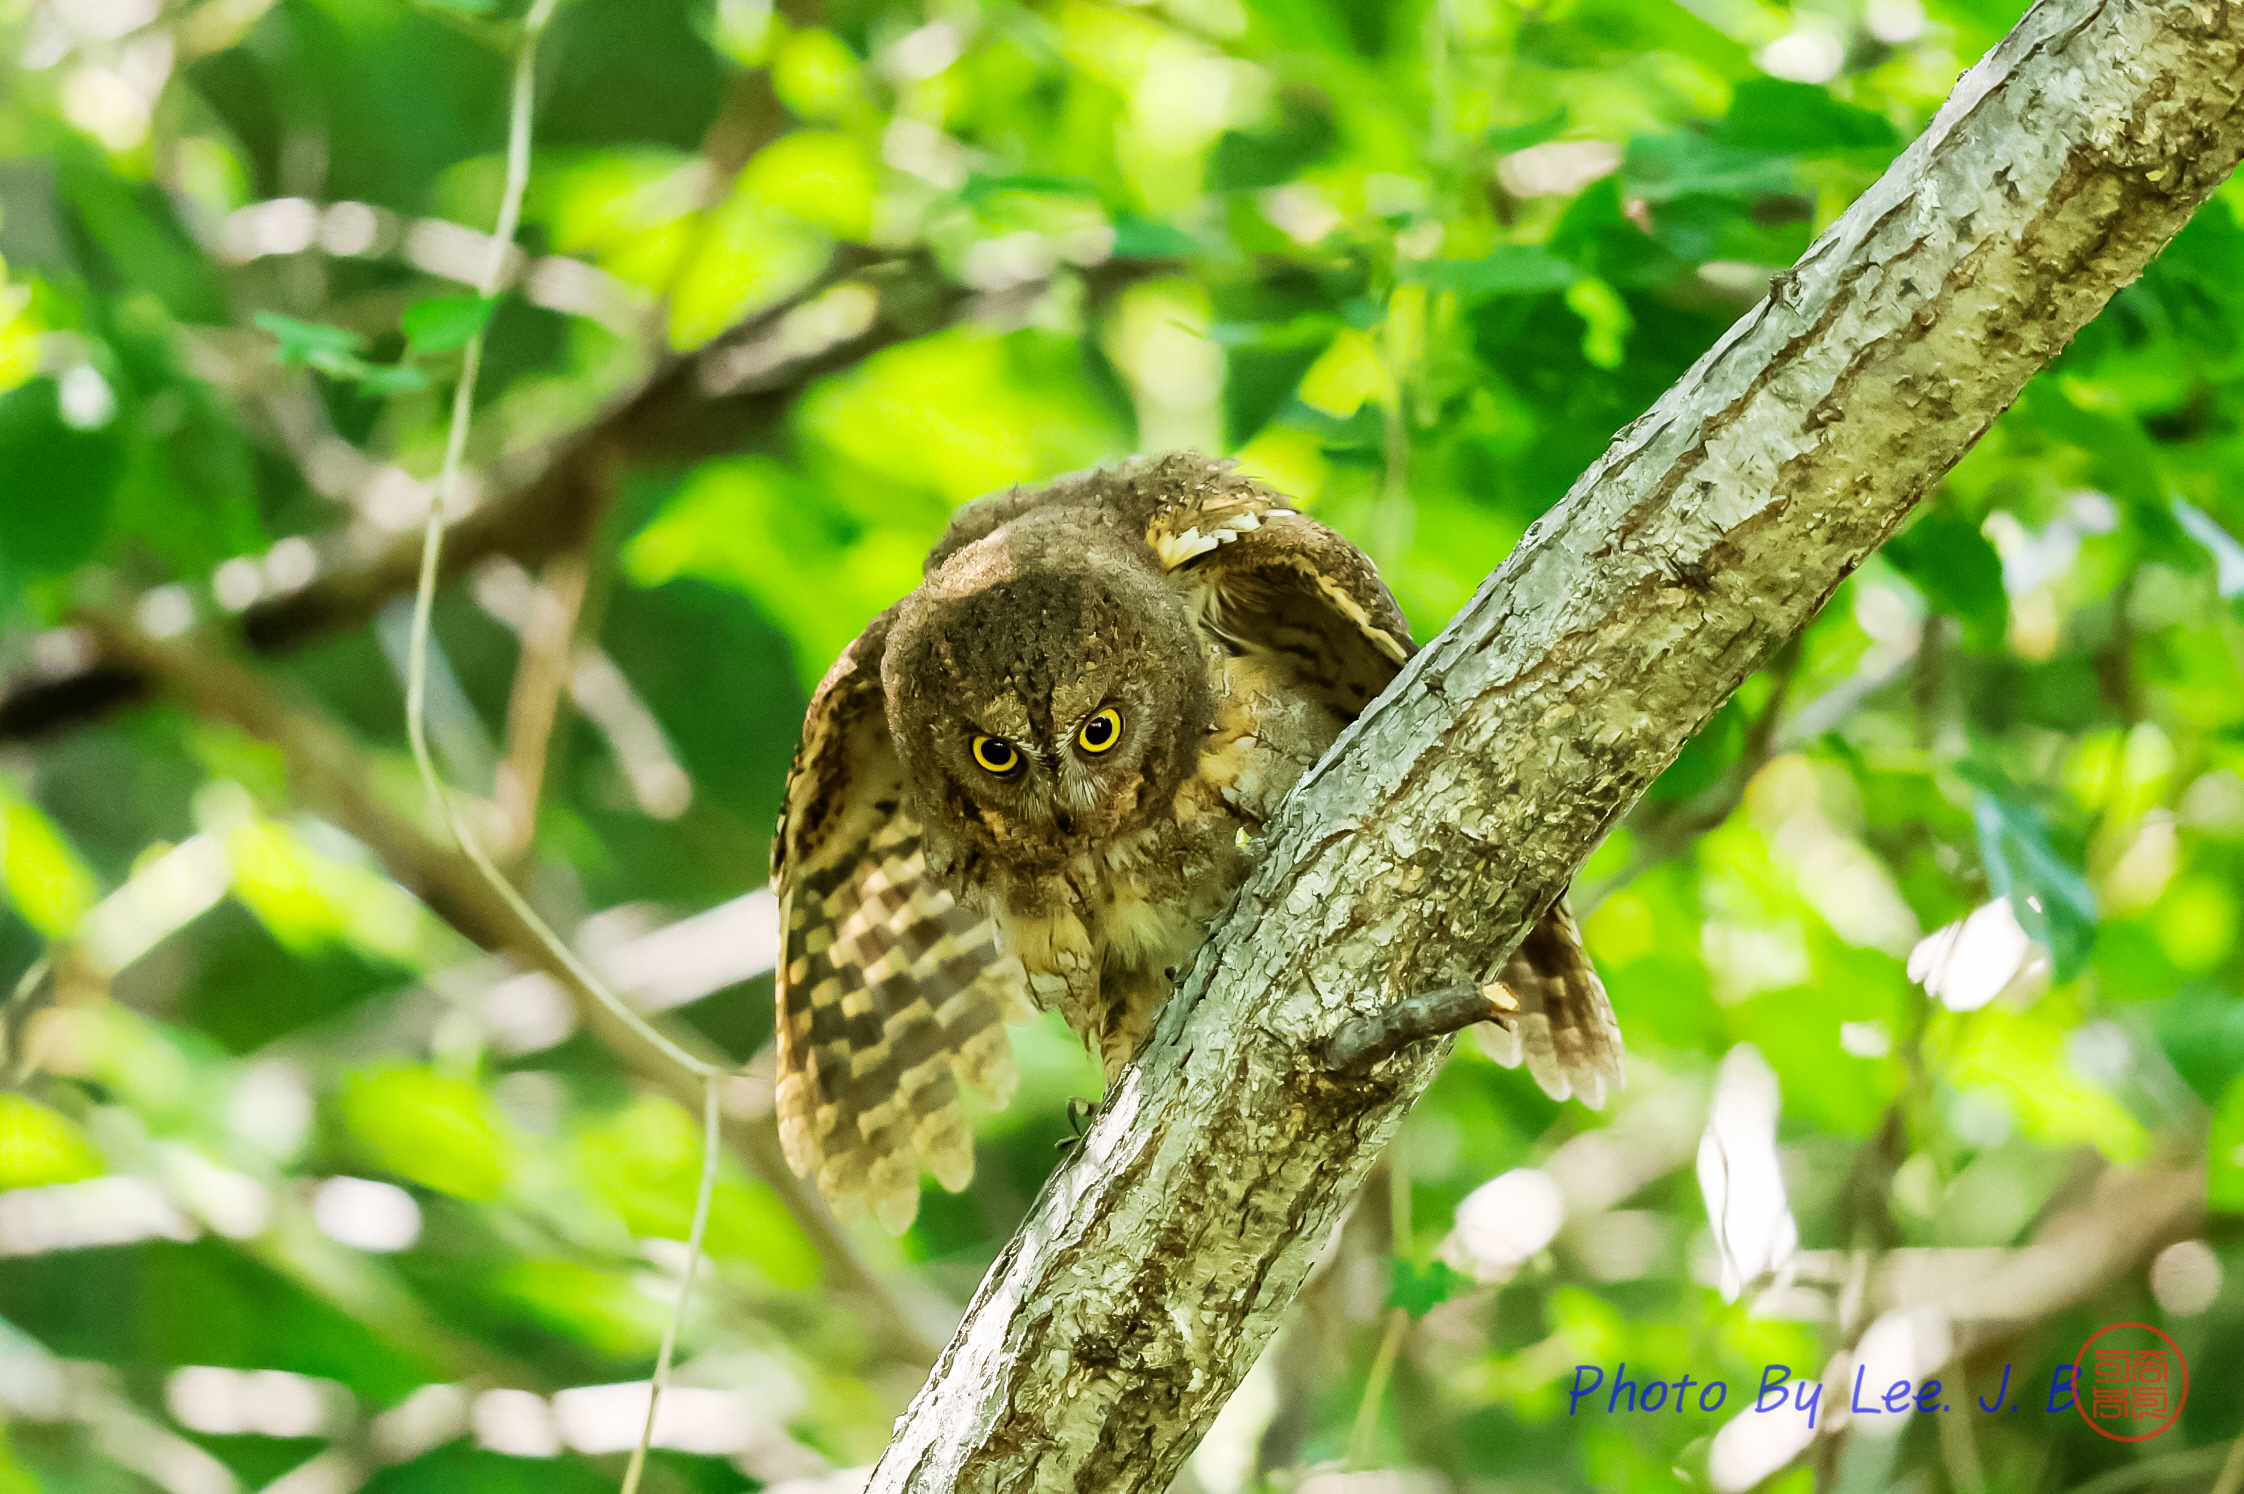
x=1360, y=1042
x=432, y=549
x=416, y=706
x=1375, y=1387
x=332, y=778
x=691, y=406
x=2183, y=1463
x=2232, y=1471
x=1834, y=705
x=661, y=1380
x=15, y=1021
x=540, y=680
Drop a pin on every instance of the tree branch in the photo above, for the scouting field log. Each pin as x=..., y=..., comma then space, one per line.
x=1361, y=1042
x=722, y=397
x=1991, y=1298
x=726, y=396
x=691, y=407
x=1156, y=1265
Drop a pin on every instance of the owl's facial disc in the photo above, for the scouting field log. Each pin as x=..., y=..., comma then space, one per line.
x=1046, y=697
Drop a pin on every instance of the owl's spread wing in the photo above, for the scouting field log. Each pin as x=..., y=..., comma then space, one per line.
x=1566, y=1031
x=1280, y=581
x=889, y=992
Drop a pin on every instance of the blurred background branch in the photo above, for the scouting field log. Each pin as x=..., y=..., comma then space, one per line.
x=327, y=775
x=721, y=398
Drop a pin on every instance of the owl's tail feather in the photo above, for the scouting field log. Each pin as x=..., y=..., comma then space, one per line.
x=1565, y=1030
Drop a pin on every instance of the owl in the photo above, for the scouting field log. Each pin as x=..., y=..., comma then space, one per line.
x=1035, y=782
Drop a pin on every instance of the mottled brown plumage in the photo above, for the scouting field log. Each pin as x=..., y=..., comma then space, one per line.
x=1038, y=778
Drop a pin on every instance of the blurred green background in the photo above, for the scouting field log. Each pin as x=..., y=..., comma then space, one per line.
x=1926, y=950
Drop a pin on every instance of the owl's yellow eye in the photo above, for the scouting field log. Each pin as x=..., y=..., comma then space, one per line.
x=1101, y=732
x=996, y=755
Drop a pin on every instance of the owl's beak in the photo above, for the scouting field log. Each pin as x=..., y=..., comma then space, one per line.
x=1064, y=820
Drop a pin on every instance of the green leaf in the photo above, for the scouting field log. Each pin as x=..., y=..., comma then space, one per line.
x=56, y=482
x=2050, y=898
x=1311, y=331
x=1505, y=139
x=1800, y=119
x=1303, y=136
x=334, y=351
x=2129, y=465
x=134, y=228
x=2200, y=1028
x=1513, y=270
x=1596, y=233
x=1950, y=561
x=644, y=1161
x=1418, y=1290
x=1660, y=168
x=301, y=342
x=443, y=323
x=434, y=1129
x=980, y=188
x=1137, y=237
x=604, y=1309
x=41, y=876
x=39, y=1146
x=373, y=378
x=1606, y=322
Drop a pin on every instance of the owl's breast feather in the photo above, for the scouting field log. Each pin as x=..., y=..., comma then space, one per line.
x=1098, y=937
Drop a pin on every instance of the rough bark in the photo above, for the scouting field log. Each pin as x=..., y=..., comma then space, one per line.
x=1156, y=1265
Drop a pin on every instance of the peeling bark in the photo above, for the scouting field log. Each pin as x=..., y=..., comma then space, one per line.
x=1157, y=1264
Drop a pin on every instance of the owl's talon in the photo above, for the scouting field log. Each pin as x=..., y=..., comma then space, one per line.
x=1080, y=1115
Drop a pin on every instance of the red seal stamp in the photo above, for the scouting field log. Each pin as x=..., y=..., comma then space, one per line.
x=2130, y=1382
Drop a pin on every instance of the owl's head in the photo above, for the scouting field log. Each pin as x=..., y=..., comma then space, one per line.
x=1046, y=693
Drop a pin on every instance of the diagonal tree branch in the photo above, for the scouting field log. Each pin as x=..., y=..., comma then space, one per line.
x=1157, y=1264
x=726, y=396
x=719, y=398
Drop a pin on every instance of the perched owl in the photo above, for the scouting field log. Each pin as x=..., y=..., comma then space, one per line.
x=1037, y=779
